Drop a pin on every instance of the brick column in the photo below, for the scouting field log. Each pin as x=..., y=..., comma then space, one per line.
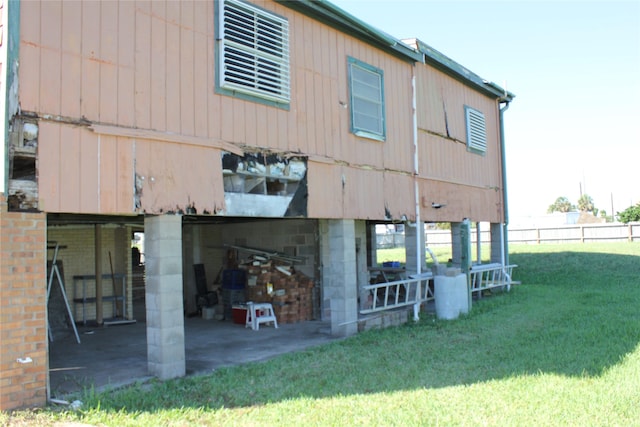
x=165, y=311
x=340, y=287
x=24, y=361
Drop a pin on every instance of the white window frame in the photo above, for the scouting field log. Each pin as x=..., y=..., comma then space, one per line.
x=375, y=102
x=476, y=130
x=253, y=52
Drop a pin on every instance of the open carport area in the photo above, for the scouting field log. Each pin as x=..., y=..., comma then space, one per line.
x=114, y=356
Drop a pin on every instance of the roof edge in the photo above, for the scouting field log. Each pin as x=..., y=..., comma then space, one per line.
x=340, y=19
x=447, y=65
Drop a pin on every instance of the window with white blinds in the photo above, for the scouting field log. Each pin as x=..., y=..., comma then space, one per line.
x=253, y=51
x=476, y=131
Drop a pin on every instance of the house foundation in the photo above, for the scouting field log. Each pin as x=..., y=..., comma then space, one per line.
x=340, y=282
x=164, y=302
x=24, y=362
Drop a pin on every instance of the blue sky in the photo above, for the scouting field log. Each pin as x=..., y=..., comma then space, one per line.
x=574, y=67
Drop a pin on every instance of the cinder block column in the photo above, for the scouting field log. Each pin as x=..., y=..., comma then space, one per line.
x=24, y=361
x=414, y=238
x=456, y=243
x=165, y=312
x=362, y=272
x=340, y=282
x=372, y=246
x=496, y=243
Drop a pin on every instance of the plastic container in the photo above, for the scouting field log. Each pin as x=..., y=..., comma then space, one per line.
x=239, y=314
x=451, y=295
x=235, y=278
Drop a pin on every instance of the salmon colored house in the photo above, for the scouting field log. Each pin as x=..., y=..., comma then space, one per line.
x=217, y=130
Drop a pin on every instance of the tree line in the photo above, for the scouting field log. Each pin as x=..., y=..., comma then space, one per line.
x=585, y=204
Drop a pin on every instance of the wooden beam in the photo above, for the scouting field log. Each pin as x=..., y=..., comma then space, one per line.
x=98, y=267
x=166, y=137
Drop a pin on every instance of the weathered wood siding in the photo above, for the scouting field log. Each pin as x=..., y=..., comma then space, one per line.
x=149, y=65
x=469, y=184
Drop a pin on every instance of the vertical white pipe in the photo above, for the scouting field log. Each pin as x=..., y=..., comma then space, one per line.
x=416, y=171
x=478, y=243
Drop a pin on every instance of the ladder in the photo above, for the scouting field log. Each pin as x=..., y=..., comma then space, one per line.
x=55, y=246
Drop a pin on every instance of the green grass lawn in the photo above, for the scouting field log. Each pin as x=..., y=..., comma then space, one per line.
x=560, y=349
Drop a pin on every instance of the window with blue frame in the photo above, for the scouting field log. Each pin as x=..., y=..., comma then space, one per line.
x=253, y=53
x=366, y=87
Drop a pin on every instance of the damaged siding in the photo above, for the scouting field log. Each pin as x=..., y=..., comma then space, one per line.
x=84, y=172
x=469, y=184
x=149, y=68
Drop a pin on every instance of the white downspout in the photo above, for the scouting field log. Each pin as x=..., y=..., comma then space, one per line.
x=416, y=171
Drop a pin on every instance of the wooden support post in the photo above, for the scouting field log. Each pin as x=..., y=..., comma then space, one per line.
x=98, y=268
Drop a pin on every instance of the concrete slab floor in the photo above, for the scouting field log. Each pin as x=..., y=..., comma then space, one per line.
x=116, y=355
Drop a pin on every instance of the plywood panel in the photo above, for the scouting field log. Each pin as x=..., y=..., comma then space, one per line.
x=363, y=198
x=142, y=79
x=124, y=175
x=89, y=172
x=50, y=74
x=178, y=177
x=49, y=168
x=90, y=100
x=399, y=192
x=126, y=64
x=173, y=72
x=158, y=66
x=71, y=60
x=70, y=176
x=30, y=22
x=477, y=204
x=202, y=81
x=187, y=72
x=29, y=71
x=325, y=190
x=108, y=170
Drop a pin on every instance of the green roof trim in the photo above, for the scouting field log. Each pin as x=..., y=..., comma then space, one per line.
x=332, y=15
x=457, y=71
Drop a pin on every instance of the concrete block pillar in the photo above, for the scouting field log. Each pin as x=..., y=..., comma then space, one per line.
x=362, y=272
x=456, y=243
x=165, y=311
x=372, y=245
x=339, y=278
x=496, y=243
x=414, y=247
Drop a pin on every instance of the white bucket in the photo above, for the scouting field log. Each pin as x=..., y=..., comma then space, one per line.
x=451, y=296
x=208, y=313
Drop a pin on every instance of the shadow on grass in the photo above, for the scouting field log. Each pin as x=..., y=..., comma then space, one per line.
x=576, y=314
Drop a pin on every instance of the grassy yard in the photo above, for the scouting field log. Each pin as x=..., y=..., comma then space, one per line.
x=560, y=349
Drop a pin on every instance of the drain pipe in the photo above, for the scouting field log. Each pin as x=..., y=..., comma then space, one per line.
x=504, y=232
x=416, y=170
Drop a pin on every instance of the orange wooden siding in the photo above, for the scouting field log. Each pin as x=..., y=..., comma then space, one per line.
x=150, y=66
x=470, y=184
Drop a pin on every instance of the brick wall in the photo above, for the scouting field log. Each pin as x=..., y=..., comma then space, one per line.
x=23, y=327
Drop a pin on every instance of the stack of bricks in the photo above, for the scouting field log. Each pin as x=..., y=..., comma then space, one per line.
x=23, y=328
x=291, y=294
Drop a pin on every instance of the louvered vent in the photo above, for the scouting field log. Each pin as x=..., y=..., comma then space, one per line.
x=476, y=131
x=255, y=52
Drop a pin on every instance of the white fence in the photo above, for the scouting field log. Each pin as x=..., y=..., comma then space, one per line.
x=584, y=233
